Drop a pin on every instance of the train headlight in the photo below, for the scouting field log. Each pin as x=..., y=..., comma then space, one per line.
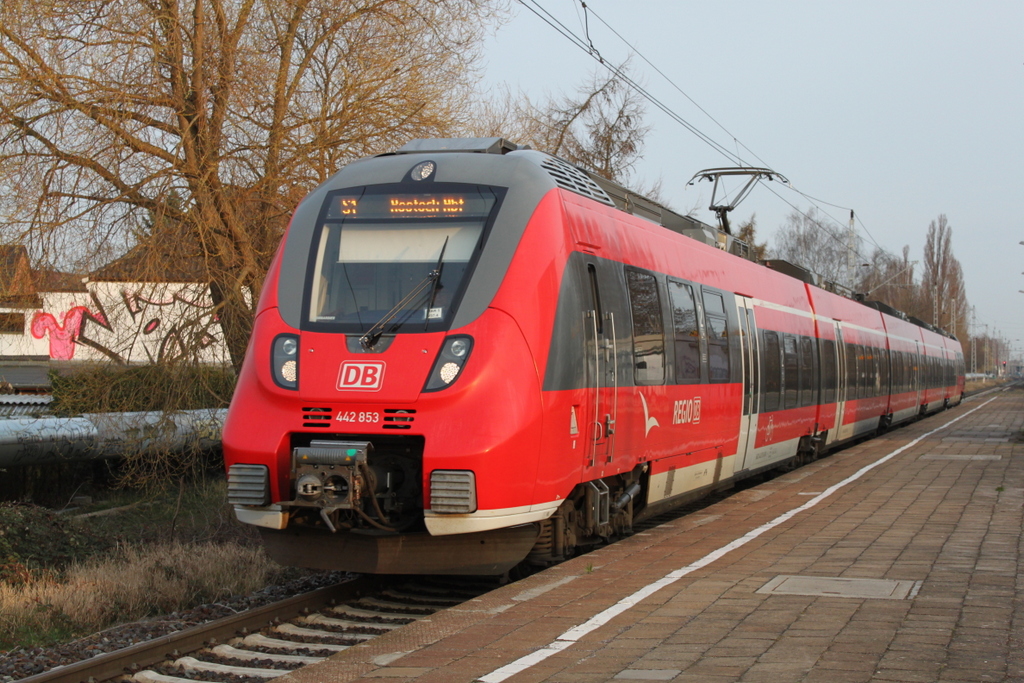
x=423, y=170
x=448, y=366
x=284, y=361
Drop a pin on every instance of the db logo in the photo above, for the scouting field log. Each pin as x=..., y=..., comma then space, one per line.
x=361, y=376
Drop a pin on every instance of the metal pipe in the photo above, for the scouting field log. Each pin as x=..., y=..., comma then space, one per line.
x=97, y=436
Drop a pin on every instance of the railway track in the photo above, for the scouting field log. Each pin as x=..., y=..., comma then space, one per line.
x=269, y=641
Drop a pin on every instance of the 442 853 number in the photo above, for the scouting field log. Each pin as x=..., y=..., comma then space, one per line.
x=368, y=417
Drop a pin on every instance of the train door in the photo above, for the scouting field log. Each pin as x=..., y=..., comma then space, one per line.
x=601, y=407
x=751, y=380
x=842, y=387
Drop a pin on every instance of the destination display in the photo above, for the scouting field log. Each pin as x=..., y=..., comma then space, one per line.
x=433, y=205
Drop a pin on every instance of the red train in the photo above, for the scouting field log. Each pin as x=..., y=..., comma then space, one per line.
x=469, y=355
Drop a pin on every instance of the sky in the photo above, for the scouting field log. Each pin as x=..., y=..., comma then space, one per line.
x=901, y=110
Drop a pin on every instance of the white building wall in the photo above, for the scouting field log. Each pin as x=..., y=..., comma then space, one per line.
x=140, y=322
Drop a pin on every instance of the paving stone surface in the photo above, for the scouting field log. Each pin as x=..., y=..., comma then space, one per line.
x=931, y=515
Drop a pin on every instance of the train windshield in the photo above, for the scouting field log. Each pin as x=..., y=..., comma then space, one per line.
x=383, y=255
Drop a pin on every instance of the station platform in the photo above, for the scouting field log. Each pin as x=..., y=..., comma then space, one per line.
x=898, y=559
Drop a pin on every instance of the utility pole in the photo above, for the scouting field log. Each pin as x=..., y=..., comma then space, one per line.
x=851, y=244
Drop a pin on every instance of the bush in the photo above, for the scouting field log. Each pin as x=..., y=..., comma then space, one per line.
x=34, y=540
x=144, y=459
x=104, y=389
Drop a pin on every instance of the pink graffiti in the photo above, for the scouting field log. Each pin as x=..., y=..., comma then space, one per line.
x=62, y=336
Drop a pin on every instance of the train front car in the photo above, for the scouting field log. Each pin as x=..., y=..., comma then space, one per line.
x=387, y=418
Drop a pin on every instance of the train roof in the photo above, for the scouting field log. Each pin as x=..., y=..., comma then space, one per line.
x=580, y=181
x=589, y=184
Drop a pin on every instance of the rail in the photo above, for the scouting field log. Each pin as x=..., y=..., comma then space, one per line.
x=110, y=665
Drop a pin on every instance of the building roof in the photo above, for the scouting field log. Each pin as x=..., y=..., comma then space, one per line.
x=167, y=255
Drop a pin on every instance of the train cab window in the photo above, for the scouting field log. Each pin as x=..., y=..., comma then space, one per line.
x=772, y=379
x=648, y=328
x=829, y=378
x=791, y=371
x=383, y=253
x=718, y=337
x=686, y=332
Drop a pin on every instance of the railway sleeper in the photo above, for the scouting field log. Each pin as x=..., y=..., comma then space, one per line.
x=293, y=630
x=392, y=608
x=235, y=653
x=260, y=640
x=321, y=620
x=373, y=617
x=148, y=676
x=419, y=600
x=197, y=665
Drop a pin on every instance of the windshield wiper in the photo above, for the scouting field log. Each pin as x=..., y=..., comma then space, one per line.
x=372, y=336
x=437, y=283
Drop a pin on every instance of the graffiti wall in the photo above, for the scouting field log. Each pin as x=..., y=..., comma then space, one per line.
x=122, y=322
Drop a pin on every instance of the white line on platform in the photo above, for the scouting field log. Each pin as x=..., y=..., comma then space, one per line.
x=574, y=634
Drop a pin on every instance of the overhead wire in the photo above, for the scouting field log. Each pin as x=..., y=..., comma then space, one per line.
x=586, y=44
x=814, y=201
x=595, y=54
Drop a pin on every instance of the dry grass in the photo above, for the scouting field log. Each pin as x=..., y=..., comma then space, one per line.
x=132, y=583
x=976, y=385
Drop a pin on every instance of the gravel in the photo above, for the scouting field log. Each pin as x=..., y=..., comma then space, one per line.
x=21, y=663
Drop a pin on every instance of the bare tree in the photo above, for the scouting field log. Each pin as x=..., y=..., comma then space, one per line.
x=942, y=280
x=940, y=297
x=890, y=279
x=209, y=119
x=747, y=232
x=600, y=128
x=808, y=241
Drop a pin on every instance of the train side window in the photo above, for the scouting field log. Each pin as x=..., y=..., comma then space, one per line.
x=806, y=372
x=791, y=371
x=883, y=370
x=828, y=371
x=648, y=328
x=871, y=375
x=865, y=370
x=870, y=371
x=718, y=337
x=686, y=332
x=753, y=381
x=852, y=378
x=595, y=296
x=772, y=377
x=875, y=379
